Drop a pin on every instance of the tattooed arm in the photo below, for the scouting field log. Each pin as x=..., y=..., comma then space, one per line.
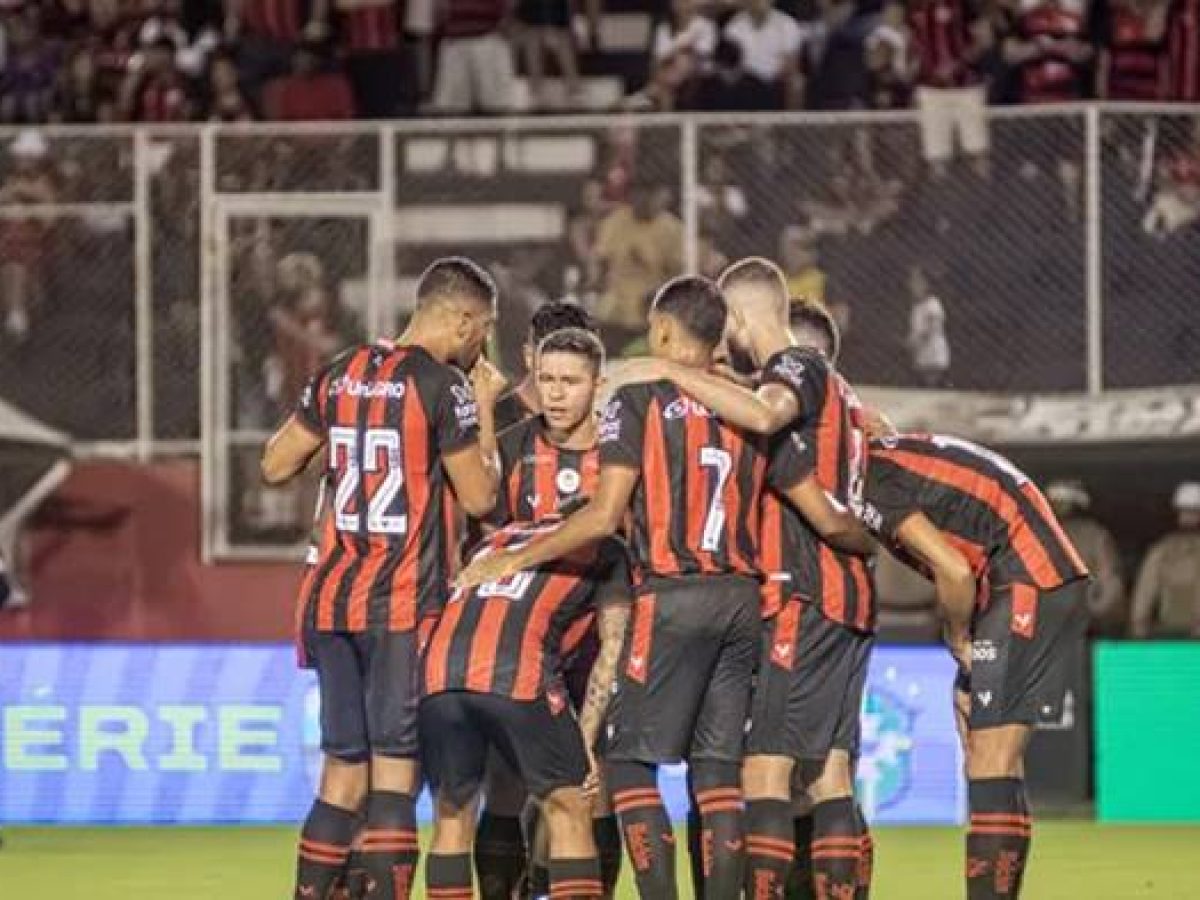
x=613, y=618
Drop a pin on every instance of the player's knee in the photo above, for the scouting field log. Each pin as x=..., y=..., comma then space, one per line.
x=834, y=780
x=395, y=773
x=344, y=784
x=767, y=777
x=996, y=752
x=567, y=806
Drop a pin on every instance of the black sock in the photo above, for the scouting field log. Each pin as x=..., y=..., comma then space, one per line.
x=866, y=860
x=323, y=850
x=389, y=844
x=998, y=839
x=718, y=788
x=500, y=856
x=836, y=849
x=448, y=877
x=769, y=848
x=607, y=833
x=538, y=883
x=575, y=879
x=800, y=881
x=648, y=836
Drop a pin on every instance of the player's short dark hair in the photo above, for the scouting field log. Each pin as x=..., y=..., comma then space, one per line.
x=697, y=304
x=578, y=341
x=456, y=276
x=755, y=270
x=809, y=315
x=555, y=315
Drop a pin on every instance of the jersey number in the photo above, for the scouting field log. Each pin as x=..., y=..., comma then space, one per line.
x=377, y=444
x=714, y=522
x=511, y=588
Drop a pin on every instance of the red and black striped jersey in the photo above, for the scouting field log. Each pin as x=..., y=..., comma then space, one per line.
x=828, y=440
x=986, y=507
x=509, y=637
x=1137, y=64
x=1051, y=76
x=511, y=409
x=384, y=551
x=695, y=509
x=539, y=478
x=942, y=43
x=1183, y=50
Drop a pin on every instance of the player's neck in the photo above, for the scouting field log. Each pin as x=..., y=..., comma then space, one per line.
x=766, y=340
x=418, y=335
x=582, y=437
x=694, y=356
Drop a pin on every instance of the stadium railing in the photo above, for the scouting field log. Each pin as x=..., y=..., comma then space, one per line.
x=179, y=281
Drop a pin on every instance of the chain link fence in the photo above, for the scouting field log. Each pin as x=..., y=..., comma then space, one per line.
x=173, y=288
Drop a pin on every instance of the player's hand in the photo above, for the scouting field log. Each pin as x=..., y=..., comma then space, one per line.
x=490, y=567
x=487, y=382
x=877, y=425
x=958, y=641
x=594, y=780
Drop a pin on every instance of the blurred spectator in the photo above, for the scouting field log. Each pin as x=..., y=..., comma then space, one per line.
x=798, y=257
x=1108, y=608
x=888, y=85
x=68, y=20
x=30, y=69
x=1176, y=203
x=583, y=226
x=382, y=71
x=79, y=96
x=266, y=31
x=721, y=203
x=1183, y=51
x=771, y=42
x=309, y=93
x=685, y=35
x=1166, y=601
x=1052, y=50
x=1132, y=63
x=475, y=64
x=928, y=345
x=23, y=241
x=950, y=93
x=223, y=99
x=546, y=29
x=157, y=91
x=638, y=247
x=728, y=87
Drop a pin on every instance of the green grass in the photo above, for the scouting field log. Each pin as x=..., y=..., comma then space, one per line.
x=1072, y=860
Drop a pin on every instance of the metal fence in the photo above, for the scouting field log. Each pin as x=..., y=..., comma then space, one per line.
x=159, y=286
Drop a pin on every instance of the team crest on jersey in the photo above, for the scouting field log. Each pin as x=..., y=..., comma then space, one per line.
x=568, y=481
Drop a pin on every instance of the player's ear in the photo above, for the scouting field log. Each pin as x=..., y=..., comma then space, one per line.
x=527, y=353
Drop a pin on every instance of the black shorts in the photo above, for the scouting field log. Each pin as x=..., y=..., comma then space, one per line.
x=458, y=728
x=683, y=688
x=368, y=684
x=809, y=690
x=1024, y=646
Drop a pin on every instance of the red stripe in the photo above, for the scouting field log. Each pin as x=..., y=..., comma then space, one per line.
x=437, y=659
x=770, y=552
x=322, y=847
x=529, y=671
x=589, y=465
x=514, y=490
x=770, y=852
x=545, y=477
x=998, y=829
x=481, y=664
x=993, y=818
x=862, y=592
x=637, y=666
x=721, y=806
x=763, y=840
x=414, y=430
x=719, y=794
x=623, y=806
x=636, y=792
x=656, y=482
x=734, y=513
x=836, y=842
x=1042, y=505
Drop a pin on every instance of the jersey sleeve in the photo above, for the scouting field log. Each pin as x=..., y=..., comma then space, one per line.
x=310, y=409
x=613, y=580
x=622, y=428
x=889, y=499
x=508, y=446
x=456, y=414
x=805, y=373
x=791, y=459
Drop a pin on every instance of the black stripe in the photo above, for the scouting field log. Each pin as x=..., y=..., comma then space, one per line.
x=458, y=656
x=748, y=497
x=682, y=471
x=512, y=636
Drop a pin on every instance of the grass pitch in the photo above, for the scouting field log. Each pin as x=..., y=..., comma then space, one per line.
x=1072, y=860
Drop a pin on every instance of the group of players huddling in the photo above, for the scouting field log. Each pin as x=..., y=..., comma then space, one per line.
x=699, y=555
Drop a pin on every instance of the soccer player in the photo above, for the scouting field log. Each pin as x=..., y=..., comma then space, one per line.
x=524, y=400
x=1012, y=592
x=547, y=461
x=396, y=424
x=819, y=603
x=492, y=682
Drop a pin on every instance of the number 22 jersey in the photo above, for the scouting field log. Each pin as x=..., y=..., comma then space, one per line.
x=383, y=550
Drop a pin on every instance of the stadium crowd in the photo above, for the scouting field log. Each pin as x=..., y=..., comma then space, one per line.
x=207, y=60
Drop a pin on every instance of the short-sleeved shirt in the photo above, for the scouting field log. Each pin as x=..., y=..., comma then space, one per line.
x=388, y=415
x=510, y=637
x=986, y=507
x=766, y=49
x=828, y=441
x=539, y=479
x=695, y=508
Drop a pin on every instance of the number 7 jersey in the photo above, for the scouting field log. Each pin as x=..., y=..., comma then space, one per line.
x=383, y=551
x=696, y=505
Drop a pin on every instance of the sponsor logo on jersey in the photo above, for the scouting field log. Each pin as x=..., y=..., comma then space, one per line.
x=366, y=389
x=984, y=651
